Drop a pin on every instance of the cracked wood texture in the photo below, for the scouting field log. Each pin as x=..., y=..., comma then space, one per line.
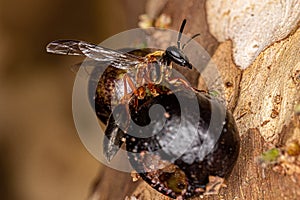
x=262, y=99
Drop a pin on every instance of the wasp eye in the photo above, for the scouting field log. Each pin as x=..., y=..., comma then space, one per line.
x=174, y=54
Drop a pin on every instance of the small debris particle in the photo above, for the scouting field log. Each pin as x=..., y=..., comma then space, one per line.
x=277, y=99
x=293, y=148
x=228, y=84
x=167, y=115
x=269, y=157
x=135, y=176
x=265, y=122
x=214, y=185
x=296, y=77
x=274, y=113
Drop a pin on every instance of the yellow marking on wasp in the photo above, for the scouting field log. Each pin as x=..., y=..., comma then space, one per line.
x=158, y=53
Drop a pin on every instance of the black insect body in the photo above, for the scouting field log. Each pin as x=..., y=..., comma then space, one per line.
x=174, y=54
x=175, y=147
x=179, y=171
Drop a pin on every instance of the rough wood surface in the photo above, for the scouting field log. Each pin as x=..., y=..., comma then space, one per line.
x=229, y=74
x=269, y=89
x=262, y=98
x=112, y=184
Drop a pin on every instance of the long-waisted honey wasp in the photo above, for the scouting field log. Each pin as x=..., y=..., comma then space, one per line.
x=151, y=68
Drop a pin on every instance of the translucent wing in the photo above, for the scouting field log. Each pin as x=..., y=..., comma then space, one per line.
x=118, y=59
x=64, y=47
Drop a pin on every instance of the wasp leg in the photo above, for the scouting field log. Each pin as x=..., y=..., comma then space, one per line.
x=201, y=91
x=180, y=81
x=127, y=97
x=138, y=92
x=155, y=91
x=183, y=82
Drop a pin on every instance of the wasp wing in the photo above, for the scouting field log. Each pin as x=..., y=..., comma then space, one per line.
x=116, y=58
x=64, y=47
x=113, y=142
x=114, y=134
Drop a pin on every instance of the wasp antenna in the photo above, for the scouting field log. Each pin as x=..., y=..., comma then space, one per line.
x=196, y=35
x=180, y=33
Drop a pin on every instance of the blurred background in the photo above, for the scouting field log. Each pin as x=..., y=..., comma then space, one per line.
x=41, y=156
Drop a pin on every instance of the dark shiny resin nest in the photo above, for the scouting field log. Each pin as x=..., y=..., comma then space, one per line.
x=174, y=147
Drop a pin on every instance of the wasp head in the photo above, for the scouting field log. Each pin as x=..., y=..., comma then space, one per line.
x=176, y=55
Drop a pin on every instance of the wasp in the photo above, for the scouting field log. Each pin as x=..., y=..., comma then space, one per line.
x=127, y=71
x=132, y=83
x=152, y=68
